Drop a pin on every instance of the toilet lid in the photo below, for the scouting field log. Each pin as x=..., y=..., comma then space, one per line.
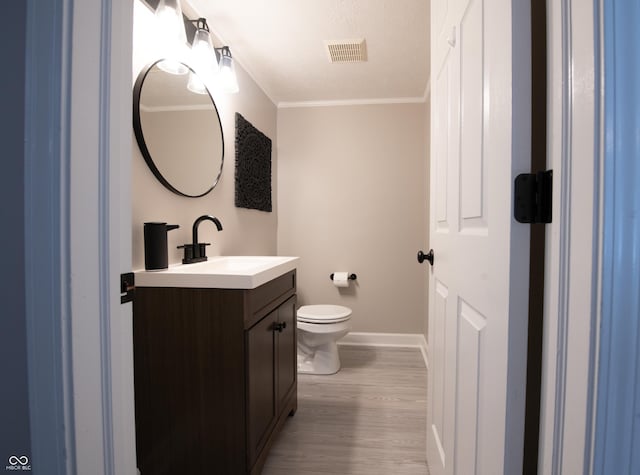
x=323, y=313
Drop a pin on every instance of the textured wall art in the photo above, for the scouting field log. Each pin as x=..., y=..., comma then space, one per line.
x=253, y=167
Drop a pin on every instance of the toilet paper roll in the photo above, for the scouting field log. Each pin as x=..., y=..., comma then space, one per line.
x=341, y=279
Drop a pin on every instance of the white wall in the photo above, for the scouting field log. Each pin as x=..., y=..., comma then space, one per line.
x=245, y=231
x=351, y=196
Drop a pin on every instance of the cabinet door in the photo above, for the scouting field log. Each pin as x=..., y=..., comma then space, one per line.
x=261, y=384
x=189, y=381
x=287, y=351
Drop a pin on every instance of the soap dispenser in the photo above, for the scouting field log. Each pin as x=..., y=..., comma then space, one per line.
x=156, y=254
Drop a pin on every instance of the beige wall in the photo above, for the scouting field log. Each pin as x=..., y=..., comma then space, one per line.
x=349, y=193
x=170, y=146
x=246, y=232
x=351, y=196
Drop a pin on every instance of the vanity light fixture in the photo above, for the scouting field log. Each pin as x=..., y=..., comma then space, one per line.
x=214, y=65
x=169, y=18
x=227, y=72
x=203, y=56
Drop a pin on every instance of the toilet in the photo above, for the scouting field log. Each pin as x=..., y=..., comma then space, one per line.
x=319, y=328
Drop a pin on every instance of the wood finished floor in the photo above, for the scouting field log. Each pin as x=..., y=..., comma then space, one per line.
x=369, y=418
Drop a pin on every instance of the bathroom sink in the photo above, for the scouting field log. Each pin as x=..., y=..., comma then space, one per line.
x=224, y=272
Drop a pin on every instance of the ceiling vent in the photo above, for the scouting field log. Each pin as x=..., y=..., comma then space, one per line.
x=347, y=51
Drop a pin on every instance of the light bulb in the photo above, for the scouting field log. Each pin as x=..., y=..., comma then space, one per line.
x=203, y=56
x=172, y=34
x=227, y=73
x=196, y=85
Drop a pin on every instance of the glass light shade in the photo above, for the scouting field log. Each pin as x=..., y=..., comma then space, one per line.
x=172, y=34
x=196, y=85
x=226, y=79
x=203, y=56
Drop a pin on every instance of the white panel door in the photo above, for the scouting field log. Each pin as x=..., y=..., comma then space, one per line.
x=479, y=281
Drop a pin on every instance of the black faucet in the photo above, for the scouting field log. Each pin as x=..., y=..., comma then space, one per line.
x=196, y=251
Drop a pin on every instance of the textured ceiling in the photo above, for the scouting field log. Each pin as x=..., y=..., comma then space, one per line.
x=282, y=44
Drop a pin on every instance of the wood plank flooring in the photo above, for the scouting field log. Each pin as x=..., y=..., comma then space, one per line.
x=369, y=418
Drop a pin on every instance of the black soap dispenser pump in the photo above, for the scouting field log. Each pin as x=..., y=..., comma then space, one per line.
x=156, y=254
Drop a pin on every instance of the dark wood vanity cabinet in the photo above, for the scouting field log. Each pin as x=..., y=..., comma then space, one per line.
x=270, y=375
x=215, y=376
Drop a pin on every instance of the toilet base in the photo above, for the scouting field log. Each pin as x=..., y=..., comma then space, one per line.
x=322, y=359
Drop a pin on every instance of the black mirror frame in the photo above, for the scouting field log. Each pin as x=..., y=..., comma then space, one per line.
x=142, y=145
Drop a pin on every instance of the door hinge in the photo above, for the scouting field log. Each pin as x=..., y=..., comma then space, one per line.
x=533, y=191
x=127, y=287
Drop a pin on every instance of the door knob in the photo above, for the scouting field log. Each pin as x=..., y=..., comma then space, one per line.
x=425, y=257
x=279, y=326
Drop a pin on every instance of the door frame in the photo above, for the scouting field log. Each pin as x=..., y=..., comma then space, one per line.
x=574, y=249
x=70, y=431
x=77, y=123
x=616, y=433
x=46, y=235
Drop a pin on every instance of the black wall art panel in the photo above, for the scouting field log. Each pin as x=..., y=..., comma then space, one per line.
x=253, y=167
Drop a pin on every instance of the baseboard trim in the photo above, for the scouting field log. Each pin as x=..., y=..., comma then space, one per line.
x=403, y=340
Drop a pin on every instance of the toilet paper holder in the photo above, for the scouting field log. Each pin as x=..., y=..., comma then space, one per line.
x=351, y=276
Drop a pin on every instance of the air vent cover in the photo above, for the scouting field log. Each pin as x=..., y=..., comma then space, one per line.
x=347, y=51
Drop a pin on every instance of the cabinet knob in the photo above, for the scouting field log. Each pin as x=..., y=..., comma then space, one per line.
x=279, y=326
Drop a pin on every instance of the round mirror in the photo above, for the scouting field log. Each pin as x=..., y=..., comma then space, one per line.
x=178, y=130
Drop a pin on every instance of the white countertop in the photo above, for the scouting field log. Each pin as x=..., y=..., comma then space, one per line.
x=224, y=272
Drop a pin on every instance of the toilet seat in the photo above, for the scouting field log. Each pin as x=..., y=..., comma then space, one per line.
x=320, y=314
x=324, y=328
